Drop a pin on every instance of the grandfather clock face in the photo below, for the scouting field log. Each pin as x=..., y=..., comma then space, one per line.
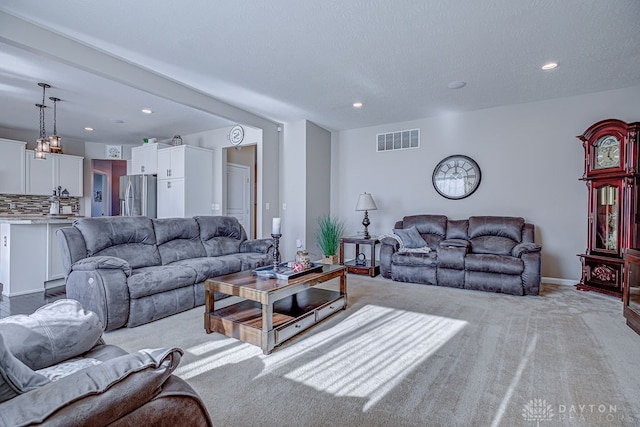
x=607, y=152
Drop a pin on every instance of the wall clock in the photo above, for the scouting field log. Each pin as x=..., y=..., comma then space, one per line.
x=236, y=135
x=456, y=177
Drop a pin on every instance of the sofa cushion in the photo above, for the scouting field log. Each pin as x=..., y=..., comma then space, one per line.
x=220, y=235
x=178, y=239
x=410, y=237
x=457, y=229
x=503, y=226
x=153, y=280
x=492, y=245
x=55, y=332
x=16, y=377
x=208, y=267
x=489, y=263
x=427, y=224
x=415, y=259
x=130, y=238
x=68, y=367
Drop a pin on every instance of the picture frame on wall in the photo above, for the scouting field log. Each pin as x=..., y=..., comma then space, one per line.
x=113, y=151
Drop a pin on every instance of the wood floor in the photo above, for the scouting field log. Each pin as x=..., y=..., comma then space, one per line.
x=27, y=304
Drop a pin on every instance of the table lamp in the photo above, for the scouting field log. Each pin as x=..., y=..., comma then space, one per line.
x=366, y=203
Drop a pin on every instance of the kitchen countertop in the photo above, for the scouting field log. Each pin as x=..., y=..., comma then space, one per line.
x=37, y=219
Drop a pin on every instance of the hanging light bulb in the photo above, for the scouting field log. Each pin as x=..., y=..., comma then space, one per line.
x=55, y=142
x=42, y=143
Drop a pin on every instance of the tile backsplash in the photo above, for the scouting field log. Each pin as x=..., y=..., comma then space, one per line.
x=24, y=204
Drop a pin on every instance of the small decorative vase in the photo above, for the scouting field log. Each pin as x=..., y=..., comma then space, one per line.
x=177, y=140
x=331, y=259
x=302, y=257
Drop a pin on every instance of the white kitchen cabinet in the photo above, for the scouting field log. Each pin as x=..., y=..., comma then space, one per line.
x=185, y=181
x=171, y=161
x=56, y=170
x=144, y=159
x=12, y=166
x=30, y=260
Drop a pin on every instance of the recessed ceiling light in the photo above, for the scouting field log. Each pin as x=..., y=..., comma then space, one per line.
x=549, y=66
x=456, y=84
x=147, y=111
x=89, y=129
x=357, y=105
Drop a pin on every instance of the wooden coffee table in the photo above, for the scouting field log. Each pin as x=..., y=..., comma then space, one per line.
x=272, y=310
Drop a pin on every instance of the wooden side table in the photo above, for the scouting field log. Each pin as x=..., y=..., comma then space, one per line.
x=370, y=265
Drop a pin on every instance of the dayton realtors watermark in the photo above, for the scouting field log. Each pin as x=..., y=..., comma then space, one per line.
x=539, y=411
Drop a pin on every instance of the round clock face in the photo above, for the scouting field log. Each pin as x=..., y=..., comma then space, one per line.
x=236, y=135
x=607, y=152
x=456, y=177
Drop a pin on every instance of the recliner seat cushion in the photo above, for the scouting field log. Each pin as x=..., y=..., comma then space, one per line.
x=153, y=280
x=493, y=264
x=208, y=267
x=492, y=245
x=414, y=259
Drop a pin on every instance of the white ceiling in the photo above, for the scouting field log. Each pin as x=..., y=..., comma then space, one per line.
x=288, y=60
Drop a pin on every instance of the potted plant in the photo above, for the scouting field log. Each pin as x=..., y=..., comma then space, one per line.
x=328, y=237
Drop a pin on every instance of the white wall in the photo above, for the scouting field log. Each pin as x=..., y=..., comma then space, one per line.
x=530, y=160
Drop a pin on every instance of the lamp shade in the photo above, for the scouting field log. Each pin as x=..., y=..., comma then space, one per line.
x=366, y=203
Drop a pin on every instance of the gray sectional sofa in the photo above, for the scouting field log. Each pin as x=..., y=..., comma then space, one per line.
x=134, y=270
x=488, y=253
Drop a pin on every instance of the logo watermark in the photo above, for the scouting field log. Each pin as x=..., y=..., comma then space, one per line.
x=540, y=411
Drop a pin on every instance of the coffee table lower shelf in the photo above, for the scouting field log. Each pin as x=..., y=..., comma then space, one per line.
x=291, y=315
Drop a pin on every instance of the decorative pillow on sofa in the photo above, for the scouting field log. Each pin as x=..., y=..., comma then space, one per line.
x=16, y=377
x=53, y=333
x=410, y=237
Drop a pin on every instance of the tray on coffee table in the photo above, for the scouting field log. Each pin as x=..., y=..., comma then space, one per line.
x=284, y=272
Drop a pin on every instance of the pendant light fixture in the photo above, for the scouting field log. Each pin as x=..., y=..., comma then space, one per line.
x=42, y=143
x=55, y=142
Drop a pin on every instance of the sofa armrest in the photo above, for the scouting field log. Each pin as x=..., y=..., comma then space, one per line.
x=523, y=248
x=391, y=240
x=97, y=395
x=256, y=245
x=102, y=262
x=103, y=291
x=455, y=243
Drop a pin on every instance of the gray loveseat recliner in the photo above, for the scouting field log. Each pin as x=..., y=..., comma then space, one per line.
x=134, y=270
x=56, y=370
x=488, y=253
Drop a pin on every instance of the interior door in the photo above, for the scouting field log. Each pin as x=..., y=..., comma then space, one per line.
x=238, y=194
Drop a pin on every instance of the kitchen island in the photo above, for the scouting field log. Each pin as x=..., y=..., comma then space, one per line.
x=29, y=257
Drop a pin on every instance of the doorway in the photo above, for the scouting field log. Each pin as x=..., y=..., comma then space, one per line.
x=240, y=187
x=105, y=177
x=99, y=195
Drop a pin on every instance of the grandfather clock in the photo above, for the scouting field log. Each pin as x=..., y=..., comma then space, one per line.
x=612, y=177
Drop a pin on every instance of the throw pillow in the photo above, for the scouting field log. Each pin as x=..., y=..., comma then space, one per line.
x=410, y=237
x=53, y=333
x=15, y=377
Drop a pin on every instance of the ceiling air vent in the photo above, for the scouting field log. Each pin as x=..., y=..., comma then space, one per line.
x=400, y=140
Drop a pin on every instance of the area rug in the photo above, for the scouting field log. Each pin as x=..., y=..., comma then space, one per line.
x=413, y=355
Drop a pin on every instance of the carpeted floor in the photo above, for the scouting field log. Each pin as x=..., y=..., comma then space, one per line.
x=414, y=355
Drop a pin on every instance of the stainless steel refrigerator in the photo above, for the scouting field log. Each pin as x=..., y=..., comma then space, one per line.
x=138, y=195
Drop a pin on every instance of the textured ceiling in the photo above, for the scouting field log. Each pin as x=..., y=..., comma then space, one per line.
x=288, y=60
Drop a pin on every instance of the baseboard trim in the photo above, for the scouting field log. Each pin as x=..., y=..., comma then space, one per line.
x=564, y=282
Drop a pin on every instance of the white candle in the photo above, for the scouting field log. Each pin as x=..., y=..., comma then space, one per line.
x=275, y=227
